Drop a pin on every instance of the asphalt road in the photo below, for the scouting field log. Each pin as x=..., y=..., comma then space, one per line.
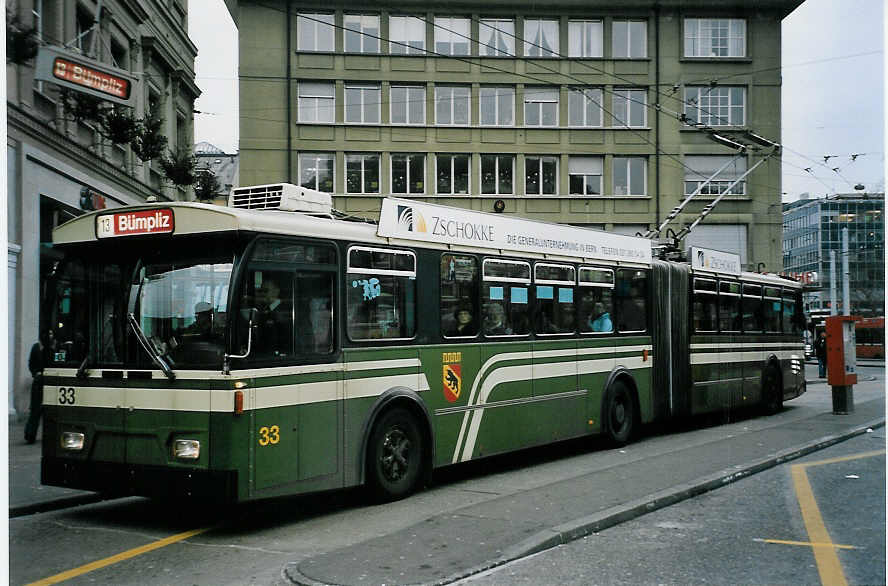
x=139, y=542
x=753, y=531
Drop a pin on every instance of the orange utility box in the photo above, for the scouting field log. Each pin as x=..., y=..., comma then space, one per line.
x=841, y=350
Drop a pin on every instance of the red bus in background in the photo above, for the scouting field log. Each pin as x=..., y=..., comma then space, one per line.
x=870, y=334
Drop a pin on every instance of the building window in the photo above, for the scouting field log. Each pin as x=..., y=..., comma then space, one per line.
x=84, y=30
x=452, y=105
x=629, y=39
x=630, y=176
x=540, y=175
x=452, y=172
x=314, y=32
x=316, y=171
x=452, y=35
x=361, y=33
x=584, y=106
x=408, y=173
x=496, y=37
x=407, y=34
x=362, y=104
x=496, y=174
x=540, y=37
x=497, y=106
x=630, y=108
x=316, y=102
x=714, y=37
x=715, y=106
x=362, y=173
x=119, y=55
x=700, y=168
x=585, y=38
x=585, y=175
x=540, y=106
x=407, y=104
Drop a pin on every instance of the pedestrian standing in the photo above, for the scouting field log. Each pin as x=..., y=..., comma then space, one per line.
x=36, y=362
x=820, y=353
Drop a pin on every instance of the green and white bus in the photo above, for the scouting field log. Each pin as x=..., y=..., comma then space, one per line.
x=247, y=352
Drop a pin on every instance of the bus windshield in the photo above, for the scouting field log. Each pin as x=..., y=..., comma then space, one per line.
x=177, y=295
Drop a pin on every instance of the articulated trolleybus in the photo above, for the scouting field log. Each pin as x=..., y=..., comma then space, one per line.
x=251, y=351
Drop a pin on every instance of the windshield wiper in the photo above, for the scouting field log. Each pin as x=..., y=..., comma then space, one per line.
x=149, y=347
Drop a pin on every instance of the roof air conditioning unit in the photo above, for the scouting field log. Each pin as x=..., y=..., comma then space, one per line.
x=281, y=196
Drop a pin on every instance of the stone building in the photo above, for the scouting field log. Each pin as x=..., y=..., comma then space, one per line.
x=59, y=167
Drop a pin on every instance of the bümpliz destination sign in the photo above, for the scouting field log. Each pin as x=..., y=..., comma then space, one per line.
x=72, y=70
x=412, y=220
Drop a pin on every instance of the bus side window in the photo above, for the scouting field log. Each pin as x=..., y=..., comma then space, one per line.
x=631, y=294
x=505, y=297
x=380, y=293
x=459, y=296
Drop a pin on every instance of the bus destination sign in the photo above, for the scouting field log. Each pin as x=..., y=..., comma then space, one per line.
x=135, y=223
x=92, y=78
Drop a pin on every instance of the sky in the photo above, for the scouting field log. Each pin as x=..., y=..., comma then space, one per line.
x=833, y=92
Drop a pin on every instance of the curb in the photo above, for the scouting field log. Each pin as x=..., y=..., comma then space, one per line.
x=55, y=504
x=564, y=533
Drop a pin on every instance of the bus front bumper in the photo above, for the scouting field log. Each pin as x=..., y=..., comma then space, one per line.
x=116, y=479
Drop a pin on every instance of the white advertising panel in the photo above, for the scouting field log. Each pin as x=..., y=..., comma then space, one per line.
x=433, y=223
x=714, y=260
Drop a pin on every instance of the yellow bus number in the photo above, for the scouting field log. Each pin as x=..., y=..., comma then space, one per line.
x=269, y=435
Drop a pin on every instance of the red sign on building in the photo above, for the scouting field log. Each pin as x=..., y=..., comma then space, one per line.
x=92, y=78
x=79, y=73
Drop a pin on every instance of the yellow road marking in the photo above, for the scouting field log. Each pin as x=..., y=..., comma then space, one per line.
x=828, y=565
x=118, y=558
x=806, y=543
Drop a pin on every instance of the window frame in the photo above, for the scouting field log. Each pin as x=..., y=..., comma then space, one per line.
x=365, y=90
x=407, y=177
x=562, y=284
x=578, y=97
x=629, y=38
x=402, y=46
x=629, y=186
x=716, y=186
x=537, y=50
x=314, y=19
x=450, y=30
x=585, y=41
x=496, y=97
x=581, y=158
x=408, y=103
x=722, y=294
x=699, y=37
x=316, y=100
x=542, y=160
x=582, y=319
x=452, y=173
x=364, y=37
x=516, y=280
x=497, y=172
x=711, y=295
x=317, y=157
x=446, y=93
x=532, y=97
x=410, y=275
x=626, y=101
x=474, y=301
x=508, y=38
x=363, y=172
x=705, y=115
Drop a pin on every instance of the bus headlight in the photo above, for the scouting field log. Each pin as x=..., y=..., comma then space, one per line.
x=72, y=440
x=186, y=449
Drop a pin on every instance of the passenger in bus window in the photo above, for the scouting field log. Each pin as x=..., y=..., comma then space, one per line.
x=464, y=324
x=494, y=323
x=600, y=320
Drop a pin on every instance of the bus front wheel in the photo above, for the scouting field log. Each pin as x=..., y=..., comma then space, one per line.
x=619, y=411
x=394, y=458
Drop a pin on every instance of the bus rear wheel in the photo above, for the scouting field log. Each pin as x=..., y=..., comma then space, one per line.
x=394, y=458
x=619, y=411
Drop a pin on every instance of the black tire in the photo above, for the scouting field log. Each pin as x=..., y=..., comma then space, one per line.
x=620, y=413
x=772, y=391
x=394, y=455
